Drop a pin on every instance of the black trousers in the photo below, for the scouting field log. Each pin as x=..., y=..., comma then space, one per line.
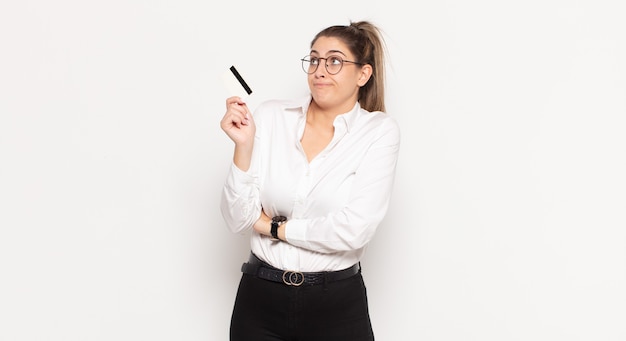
x=271, y=311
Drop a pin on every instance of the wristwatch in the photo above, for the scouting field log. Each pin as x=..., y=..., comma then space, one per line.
x=277, y=221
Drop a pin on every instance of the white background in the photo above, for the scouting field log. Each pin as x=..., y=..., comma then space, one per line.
x=508, y=217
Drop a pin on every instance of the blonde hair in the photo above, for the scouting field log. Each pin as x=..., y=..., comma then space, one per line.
x=365, y=42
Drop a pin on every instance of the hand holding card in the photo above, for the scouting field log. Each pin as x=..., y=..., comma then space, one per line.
x=237, y=122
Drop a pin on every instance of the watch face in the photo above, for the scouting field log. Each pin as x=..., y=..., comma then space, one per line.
x=279, y=219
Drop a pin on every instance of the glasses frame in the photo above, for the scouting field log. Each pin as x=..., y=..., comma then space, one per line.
x=308, y=57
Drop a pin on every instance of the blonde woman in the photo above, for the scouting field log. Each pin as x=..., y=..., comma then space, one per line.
x=312, y=179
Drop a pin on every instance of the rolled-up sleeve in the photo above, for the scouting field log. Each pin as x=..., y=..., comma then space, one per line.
x=240, y=203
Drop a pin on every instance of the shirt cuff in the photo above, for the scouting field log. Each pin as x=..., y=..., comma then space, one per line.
x=237, y=178
x=295, y=233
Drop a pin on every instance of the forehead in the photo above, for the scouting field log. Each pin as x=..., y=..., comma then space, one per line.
x=330, y=45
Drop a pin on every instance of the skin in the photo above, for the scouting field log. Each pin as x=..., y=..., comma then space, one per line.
x=332, y=95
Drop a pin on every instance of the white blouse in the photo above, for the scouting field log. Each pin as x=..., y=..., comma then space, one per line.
x=334, y=204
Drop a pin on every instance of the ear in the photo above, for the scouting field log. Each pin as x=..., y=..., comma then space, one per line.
x=364, y=75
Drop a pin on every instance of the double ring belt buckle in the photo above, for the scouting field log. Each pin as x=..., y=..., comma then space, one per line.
x=295, y=278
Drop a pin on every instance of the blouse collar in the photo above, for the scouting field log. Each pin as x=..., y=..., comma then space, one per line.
x=349, y=118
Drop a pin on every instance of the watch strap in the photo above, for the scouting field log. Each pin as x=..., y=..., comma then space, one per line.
x=275, y=224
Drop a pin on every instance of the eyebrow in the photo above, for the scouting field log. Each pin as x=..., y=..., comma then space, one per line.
x=329, y=52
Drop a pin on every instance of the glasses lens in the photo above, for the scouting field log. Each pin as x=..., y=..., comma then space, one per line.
x=334, y=64
x=309, y=64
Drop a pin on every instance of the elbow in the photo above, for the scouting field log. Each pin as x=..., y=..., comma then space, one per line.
x=239, y=218
x=359, y=229
x=359, y=239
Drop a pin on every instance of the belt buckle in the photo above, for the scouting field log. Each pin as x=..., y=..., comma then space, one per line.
x=295, y=278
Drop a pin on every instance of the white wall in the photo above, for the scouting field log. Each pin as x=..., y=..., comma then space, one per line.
x=507, y=222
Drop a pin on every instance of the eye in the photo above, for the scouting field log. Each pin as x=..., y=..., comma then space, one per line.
x=335, y=60
x=314, y=60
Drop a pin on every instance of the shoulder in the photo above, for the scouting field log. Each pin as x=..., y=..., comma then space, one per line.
x=269, y=110
x=279, y=105
x=382, y=124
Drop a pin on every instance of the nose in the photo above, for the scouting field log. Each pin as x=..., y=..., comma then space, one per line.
x=321, y=68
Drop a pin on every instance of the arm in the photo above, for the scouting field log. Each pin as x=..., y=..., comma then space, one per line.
x=353, y=226
x=240, y=204
x=239, y=125
x=263, y=226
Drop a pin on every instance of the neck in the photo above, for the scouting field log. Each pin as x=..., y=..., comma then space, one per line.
x=322, y=115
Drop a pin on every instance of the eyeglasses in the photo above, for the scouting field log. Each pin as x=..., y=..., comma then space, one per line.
x=333, y=64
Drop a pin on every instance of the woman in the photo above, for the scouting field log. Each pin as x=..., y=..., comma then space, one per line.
x=312, y=178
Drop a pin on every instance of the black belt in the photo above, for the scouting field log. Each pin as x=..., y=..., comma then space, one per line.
x=259, y=268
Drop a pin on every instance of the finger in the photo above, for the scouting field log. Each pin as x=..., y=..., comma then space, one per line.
x=235, y=99
x=232, y=99
x=236, y=102
x=241, y=110
x=234, y=118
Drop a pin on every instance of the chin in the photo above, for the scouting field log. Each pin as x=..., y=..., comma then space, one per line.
x=322, y=96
